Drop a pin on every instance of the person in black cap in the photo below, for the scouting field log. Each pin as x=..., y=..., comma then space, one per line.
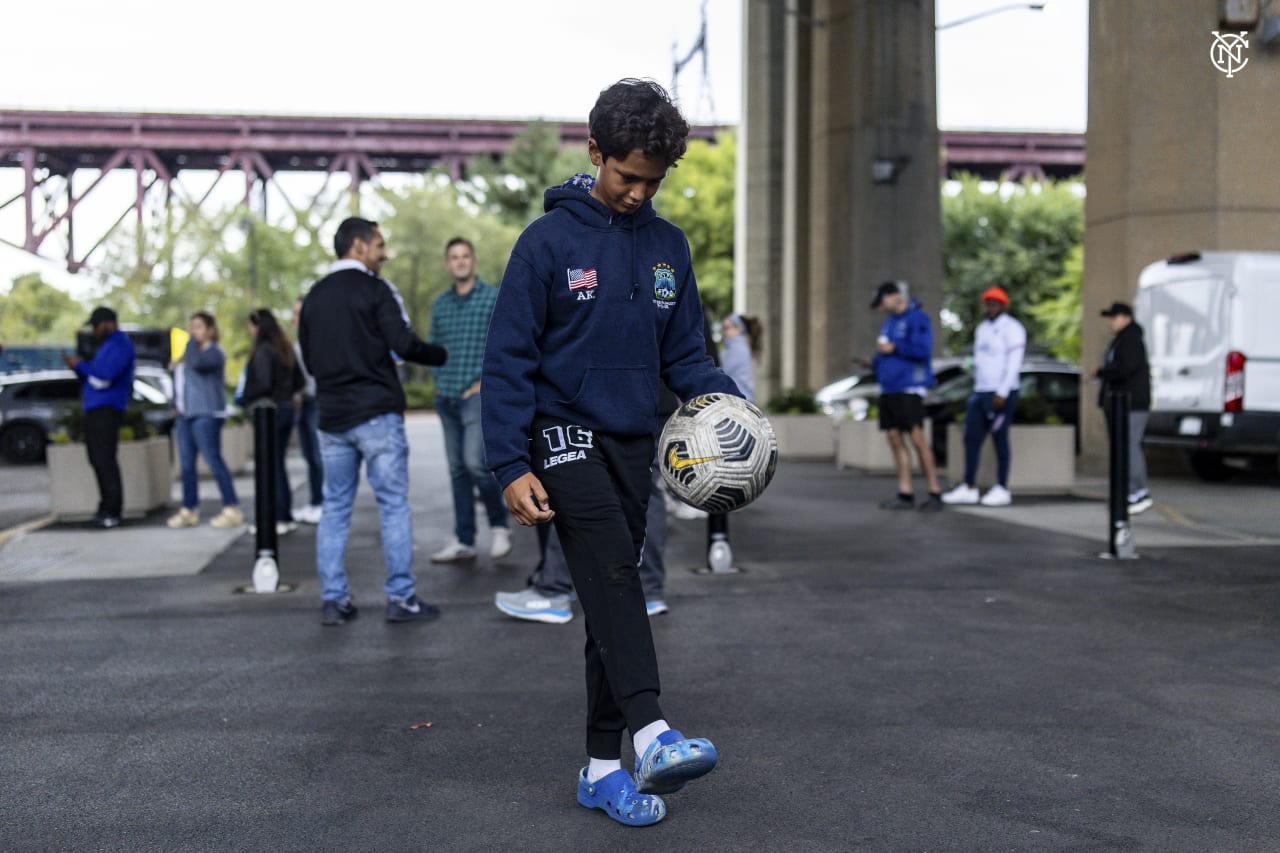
x=904, y=369
x=107, y=379
x=1125, y=369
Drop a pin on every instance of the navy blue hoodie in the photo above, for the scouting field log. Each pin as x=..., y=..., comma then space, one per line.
x=594, y=308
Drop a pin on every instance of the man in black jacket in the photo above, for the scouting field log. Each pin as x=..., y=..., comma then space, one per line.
x=351, y=323
x=1125, y=369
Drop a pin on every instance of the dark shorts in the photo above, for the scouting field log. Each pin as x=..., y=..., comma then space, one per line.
x=903, y=412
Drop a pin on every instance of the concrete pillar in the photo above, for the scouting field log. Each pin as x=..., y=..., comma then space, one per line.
x=796, y=176
x=842, y=83
x=758, y=250
x=1180, y=158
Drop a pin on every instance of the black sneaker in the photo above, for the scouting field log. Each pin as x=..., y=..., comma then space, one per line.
x=411, y=609
x=105, y=522
x=933, y=503
x=338, y=612
x=898, y=502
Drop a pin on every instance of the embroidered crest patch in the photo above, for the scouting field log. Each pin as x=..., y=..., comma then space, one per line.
x=664, y=283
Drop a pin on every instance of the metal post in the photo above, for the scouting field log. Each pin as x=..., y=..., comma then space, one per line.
x=266, y=571
x=1120, y=535
x=719, y=552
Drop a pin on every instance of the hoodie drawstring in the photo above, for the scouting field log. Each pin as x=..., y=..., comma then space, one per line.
x=635, y=284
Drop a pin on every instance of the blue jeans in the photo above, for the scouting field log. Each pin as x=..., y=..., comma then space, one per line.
x=309, y=443
x=464, y=447
x=202, y=434
x=380, y=442
x=980, y=419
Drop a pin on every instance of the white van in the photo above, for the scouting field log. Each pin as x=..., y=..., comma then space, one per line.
x=1212, y=323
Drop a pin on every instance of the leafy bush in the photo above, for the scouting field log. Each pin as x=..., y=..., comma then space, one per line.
x=420, y=395
x=793, y=401
x=134, y=427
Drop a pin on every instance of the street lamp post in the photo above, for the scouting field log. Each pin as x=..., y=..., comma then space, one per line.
x=1010, y=7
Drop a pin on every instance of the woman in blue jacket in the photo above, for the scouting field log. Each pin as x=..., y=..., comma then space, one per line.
x=200, y=389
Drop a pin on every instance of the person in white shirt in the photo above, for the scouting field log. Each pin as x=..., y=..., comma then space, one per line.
x=998, y=346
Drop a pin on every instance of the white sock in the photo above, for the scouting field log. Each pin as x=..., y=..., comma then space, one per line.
x=602, y=767
x=648, y=735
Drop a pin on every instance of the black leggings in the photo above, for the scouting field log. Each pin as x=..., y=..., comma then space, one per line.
x=598, y=486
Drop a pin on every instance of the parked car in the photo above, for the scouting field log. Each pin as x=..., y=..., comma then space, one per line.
x=852, y=396
x=1209, y=321
x=26, y=358
x=837, y=399
x=35, y=404
x=1048, y=391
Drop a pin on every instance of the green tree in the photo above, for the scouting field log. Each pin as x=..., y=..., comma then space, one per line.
x=1060, y=315
x=228, y=263
x=513, y=186
x=36, y=312
x=698, y=196
x=421, y=218
x=1018, y=237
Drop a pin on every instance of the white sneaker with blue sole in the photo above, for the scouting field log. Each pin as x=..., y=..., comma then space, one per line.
x=533, y=606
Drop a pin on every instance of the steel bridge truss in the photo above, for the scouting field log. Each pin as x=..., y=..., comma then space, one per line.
x=73, y=161
x=58, y=151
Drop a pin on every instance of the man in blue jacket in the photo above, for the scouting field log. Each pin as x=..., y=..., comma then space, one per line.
x=108, y=385
x=597, y=304
x=903, y=364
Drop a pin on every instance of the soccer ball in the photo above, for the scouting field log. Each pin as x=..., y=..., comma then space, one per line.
x=718, y=452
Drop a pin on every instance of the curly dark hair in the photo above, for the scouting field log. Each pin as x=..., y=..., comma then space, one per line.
x=638, y=114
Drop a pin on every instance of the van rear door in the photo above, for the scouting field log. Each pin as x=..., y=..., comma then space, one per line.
x=1184, y=311
x=1254, y=330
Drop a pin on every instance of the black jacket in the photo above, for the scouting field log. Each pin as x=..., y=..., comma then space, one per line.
x=269, y=377
x=1126, y=369
x=351, y=323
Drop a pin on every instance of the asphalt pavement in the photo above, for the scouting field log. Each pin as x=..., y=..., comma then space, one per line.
x=975, y=679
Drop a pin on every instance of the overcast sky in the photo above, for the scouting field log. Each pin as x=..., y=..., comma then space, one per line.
x=1017, y=70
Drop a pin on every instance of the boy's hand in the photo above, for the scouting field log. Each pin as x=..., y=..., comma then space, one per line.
x=527, y=500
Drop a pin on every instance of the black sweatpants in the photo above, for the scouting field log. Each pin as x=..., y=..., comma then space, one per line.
x=598, y=486
x=102, y=441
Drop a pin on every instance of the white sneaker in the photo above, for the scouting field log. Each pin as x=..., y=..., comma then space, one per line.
x=684, y=512
x=309, y=514
x=284, y=528
x=961, y=494
x=996, y=496
x=533, y=606
x=454, y=552
x=501, y=545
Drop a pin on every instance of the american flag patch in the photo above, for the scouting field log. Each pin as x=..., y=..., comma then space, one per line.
x=582, y=279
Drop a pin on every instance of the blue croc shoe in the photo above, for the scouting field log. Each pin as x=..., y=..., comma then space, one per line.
x=616, y=796
x=672, y=760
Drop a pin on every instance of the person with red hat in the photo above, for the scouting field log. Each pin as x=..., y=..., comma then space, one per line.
x=999, y=343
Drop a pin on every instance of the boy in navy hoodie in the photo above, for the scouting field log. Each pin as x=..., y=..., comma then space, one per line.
x=597, y=304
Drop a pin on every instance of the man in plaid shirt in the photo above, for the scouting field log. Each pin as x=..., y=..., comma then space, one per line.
x=460, y=322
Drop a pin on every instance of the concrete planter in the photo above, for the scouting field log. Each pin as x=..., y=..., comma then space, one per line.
x=1044, y=458
x=804, y=436
x=862, y=445
x=144, y=473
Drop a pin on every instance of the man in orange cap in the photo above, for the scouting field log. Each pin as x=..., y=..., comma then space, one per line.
x=998, y=346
